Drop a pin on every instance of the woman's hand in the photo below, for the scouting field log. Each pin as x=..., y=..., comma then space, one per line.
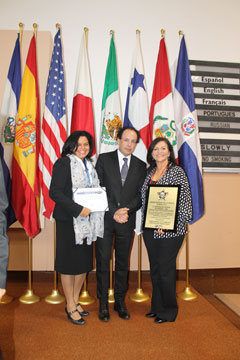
x=85, y=212
x=159, y=231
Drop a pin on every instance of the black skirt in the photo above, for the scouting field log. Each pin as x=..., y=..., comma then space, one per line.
x=71, y=259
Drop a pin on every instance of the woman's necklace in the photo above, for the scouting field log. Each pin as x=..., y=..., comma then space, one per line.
x=158, y=174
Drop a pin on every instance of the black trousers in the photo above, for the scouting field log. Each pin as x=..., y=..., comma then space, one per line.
x=123, y=237
x=162, y=255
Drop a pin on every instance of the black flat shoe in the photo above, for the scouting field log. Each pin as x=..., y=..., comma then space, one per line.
x=104, y=315
x=158, y=320
x=75, y=322
x=82, y=313
x=151, y=315
x=122, y=311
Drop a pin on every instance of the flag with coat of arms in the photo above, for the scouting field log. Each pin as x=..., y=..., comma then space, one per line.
x=162, y=123
x=189, y=151
x=136, y=111
x=8, y=117
x=111, y=117
x=25, y=184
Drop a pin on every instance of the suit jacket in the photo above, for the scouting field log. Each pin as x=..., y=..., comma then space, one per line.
x=120, y=196
x=3, y=231
x=61, y=191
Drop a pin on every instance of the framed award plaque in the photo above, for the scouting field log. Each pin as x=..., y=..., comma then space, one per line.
x=161, y=207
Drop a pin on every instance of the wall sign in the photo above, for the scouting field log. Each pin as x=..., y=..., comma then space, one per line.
x=216, y=87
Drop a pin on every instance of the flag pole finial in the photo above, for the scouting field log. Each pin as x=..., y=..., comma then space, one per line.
x=35, y=29
x=163, y=32
x=86, y=35
x=138, y=31
x=111, y=32
x=180, y=32
x=20, y=32
x=58, y=26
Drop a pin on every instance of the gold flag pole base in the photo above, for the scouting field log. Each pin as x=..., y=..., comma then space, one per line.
x=139, y=296
x=54, y=298
x=111, y=298
x=85, y=298
x=29, y=298
x=6, y=299
x=187, y=294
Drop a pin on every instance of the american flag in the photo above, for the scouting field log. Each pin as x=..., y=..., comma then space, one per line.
x=54, y=124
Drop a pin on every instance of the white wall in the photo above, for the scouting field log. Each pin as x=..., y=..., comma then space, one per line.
x=211, y=30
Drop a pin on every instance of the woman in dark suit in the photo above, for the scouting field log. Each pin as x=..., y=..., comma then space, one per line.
x=76, y=226
x=163, y=246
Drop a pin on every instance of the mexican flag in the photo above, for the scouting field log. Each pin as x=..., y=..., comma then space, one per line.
x=111, y=118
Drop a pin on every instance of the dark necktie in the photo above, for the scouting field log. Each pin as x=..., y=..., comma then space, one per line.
x=124, y=170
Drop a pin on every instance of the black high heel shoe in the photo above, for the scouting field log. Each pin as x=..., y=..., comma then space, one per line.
x=82, y=313
x=76, y=322
x=150, y=315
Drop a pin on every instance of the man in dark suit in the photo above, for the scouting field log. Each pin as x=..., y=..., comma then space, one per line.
x=123, y=175
x=3, y=234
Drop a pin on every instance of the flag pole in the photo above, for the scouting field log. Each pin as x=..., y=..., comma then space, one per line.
x=111, y=290
x=86, y=36
x=29, y=297
x=20, y=32
x=35, y=30
x=139, y=295
x=85, y=298
x=55, y=297
x=187, y=294
x=6, y=299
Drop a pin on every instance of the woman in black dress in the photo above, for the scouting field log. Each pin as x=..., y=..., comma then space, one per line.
x=76, y=226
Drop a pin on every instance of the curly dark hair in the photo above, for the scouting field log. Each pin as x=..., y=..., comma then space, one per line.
x=150, y=159
x=71, y=144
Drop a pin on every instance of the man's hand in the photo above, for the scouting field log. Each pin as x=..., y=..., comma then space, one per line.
x=2, y=292
x=85, y=212
x=121, y=215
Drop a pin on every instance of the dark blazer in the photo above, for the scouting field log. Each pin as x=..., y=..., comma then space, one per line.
x=61, y=191
x=109, y=175
x=3, y=231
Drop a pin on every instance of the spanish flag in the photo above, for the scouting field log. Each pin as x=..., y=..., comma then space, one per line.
x=25, y=187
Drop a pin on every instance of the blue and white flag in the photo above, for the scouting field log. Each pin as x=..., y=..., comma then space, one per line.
x=8, y=115
x=136, y=111
x=189, y=151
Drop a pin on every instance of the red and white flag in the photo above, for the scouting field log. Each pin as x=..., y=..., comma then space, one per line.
x=54, y=124
x=162, y=123
x=82, y=109
x=25, y=184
